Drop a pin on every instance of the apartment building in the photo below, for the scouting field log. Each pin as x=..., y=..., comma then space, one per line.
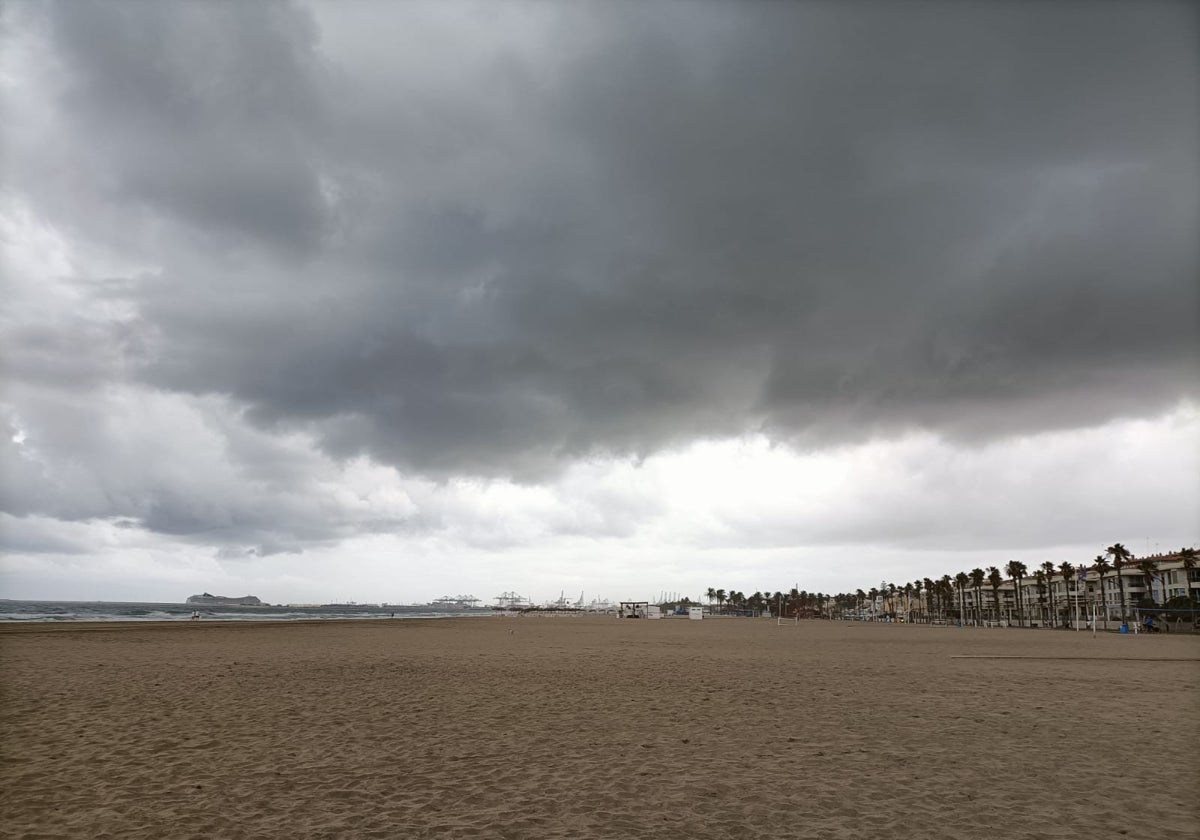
x=1056, y=601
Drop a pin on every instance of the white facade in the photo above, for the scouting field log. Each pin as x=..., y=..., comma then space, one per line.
x=1056, y=600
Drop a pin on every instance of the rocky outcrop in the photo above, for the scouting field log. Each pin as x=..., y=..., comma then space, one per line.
x=224, y=600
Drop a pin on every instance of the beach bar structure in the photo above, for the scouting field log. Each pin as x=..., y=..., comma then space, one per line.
x=635, y=609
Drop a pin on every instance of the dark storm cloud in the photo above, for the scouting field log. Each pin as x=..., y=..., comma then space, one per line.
x=825, y=221
x=206, y=113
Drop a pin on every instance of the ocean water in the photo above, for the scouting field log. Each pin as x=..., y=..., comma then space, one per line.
x=135, y=611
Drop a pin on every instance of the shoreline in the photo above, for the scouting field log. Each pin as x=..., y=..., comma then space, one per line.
x=17, y=626
x=20, y=628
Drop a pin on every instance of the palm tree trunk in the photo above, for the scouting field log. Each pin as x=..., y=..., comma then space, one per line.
x=1121, y=585
x=1103, y=602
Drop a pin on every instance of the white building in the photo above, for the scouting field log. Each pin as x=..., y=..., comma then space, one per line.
x=1057, y=601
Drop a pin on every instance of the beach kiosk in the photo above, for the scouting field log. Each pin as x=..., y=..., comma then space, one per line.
x=634, y=609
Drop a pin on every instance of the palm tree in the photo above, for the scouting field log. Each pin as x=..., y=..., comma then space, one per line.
x=1102, y=568
x=720, y=595
x=1048, y=569
x=962, y=580
x=711, y=595
x=1040, y=577
x=946, y=589
x=1017, y=571
x=1188, y=556
x=1148, y=567
x=1067, y=571
x=1120, y=555
x=977, y=585
x=755, y=602
x=994, y=580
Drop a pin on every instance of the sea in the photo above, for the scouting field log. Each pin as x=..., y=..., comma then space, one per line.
x=137, y=611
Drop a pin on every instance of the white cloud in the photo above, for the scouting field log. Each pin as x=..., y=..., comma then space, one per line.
x=740, y=514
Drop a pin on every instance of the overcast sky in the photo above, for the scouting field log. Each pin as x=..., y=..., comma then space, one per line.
x=385, y=301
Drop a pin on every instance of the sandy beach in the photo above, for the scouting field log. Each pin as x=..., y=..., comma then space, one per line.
x=595, y=727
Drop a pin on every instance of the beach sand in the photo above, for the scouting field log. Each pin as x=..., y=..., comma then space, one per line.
x=595, y=727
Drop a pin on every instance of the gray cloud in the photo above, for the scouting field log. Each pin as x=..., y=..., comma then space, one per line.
x=460, y=248
x=204, y=113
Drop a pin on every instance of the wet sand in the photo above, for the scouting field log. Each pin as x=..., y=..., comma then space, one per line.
x=595, y=727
